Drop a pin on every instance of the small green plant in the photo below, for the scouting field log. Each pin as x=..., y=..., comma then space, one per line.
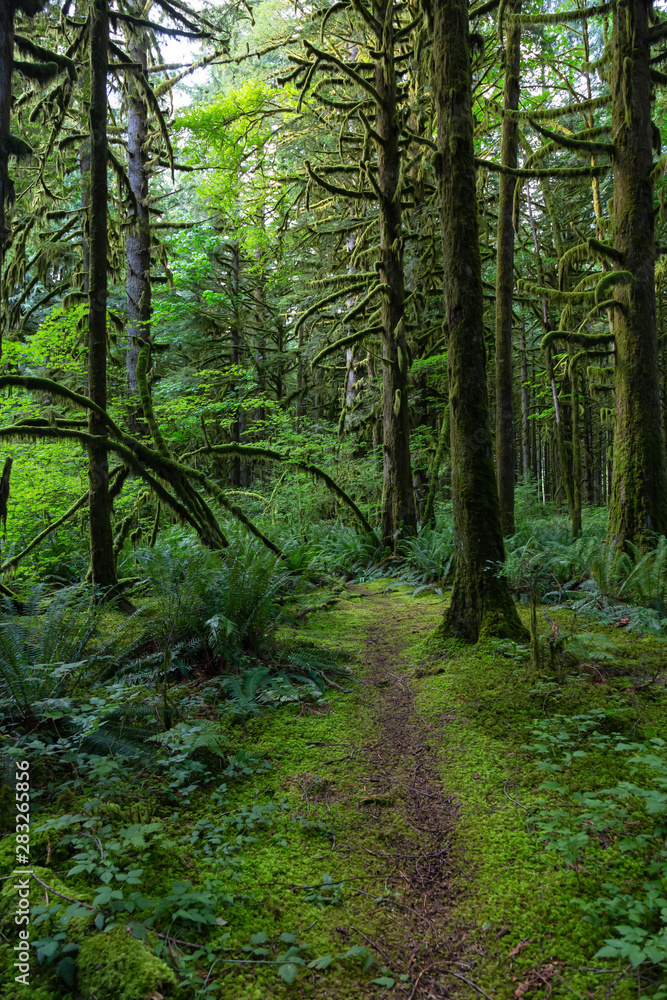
x=615, y=833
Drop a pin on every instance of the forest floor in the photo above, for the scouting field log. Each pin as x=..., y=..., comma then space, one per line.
x=396, y=783
x=395, y=838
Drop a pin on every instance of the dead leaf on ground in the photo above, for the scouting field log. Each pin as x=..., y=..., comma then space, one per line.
x=538, y=978
x=518, y=947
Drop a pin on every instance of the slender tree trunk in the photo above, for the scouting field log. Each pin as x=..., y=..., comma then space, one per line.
x=638, y=504
x=234, y=344
x=300, y=384
x=481, y=601
x=509, y=150
x=7, y=10
x=398, y=501
x=588, y=439
x=576, y=452
x=525, y=406
x=441, y=448
x=101, y=536
x=138, y=239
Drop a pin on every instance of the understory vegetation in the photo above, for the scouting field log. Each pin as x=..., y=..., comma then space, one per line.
x=179, y=821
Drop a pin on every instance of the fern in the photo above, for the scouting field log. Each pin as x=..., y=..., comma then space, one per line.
x=242, y=690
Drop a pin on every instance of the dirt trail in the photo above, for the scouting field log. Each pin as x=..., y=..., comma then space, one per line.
x=402, y=790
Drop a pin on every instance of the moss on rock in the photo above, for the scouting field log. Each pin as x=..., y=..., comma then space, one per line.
x=115, y=966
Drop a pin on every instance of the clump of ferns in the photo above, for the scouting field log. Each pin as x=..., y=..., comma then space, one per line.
x=50, y=651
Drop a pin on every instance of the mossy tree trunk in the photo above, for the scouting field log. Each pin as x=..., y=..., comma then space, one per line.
x=525, y=409
x=234, y=357
x=481, y=601
x=509, y=150
x=398, y=502
x=101, y=536
x=7, y=10
x=138, y=239
x=576, y=451
x=638, y=504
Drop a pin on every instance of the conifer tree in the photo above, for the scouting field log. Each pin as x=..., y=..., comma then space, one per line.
x=481, y=601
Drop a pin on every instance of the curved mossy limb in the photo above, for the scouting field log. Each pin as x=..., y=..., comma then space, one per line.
x=255, y=451
x=565, y=16
x=545, y=172
x=344, y=342
x=584, y=146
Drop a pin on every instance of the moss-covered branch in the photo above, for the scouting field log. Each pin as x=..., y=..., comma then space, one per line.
x=329, y=57
x=563, y=16
x=335, y=189
x=586, y=147
x=554, y=295
x=255, y=451
x=326, y=301
x=545, y=172
x=344, y=342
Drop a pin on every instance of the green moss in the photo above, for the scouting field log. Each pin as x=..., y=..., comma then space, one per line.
x=119, y=967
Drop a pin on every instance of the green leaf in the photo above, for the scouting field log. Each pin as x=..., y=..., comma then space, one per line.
x=66, y=968
x=323, y=962
x=288, y=972
x=384, y=981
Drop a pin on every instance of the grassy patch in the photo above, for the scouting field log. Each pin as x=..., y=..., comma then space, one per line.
x=549, y=831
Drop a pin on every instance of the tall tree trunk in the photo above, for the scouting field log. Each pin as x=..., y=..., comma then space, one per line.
x=638, y=503
x=101, y=536
x=525, y=407
x=7, y=9
x=234, y=344
x=138, y=239
x=398, y=501
x=509, y=150
x=481, y=601
x=576, y=451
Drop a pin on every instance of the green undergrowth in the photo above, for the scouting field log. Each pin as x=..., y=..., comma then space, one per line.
x=561, y=775
x=222, y=863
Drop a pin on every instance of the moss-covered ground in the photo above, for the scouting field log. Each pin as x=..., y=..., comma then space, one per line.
x=392, y=841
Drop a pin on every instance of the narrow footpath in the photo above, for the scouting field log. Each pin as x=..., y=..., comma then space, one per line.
x=406, y=818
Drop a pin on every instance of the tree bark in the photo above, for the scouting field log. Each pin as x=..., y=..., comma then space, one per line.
x=138, y=239
x=234, y=344
x=525, y=407
x=576, y=451
x=101, y=536
x=638, y=504
x=481, y=601
x=398, y=502
x=7, y=10
x=509, y=149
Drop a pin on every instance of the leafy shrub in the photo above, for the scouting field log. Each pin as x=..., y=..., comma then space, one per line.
x=617, y=830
